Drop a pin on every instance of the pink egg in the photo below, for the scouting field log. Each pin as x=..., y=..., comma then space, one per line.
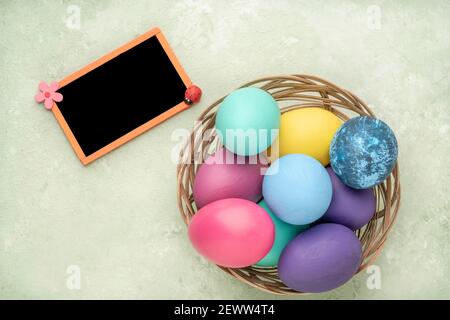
x=232, y=233
x=226, y=175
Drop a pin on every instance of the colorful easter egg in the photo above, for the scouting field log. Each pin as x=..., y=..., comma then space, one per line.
x=248, y=120
x=297, y=189
x=363, y=152
x=226, y=175
x=232, y=233
x=350, y=207
x=320, y=259
x=308, y=131
x=284, y=232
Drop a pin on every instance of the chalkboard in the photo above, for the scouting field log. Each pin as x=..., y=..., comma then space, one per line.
x=121, y=95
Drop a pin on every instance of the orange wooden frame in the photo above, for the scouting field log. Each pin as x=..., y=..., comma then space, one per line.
x=139, y=130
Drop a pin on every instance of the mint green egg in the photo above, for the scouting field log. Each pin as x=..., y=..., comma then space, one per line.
x=284, y=233
x=247, y=121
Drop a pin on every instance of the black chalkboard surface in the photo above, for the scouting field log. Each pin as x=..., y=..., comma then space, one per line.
x=121, y=95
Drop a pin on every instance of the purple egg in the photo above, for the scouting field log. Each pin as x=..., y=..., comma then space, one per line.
x=320, y=259
x=226, y=175
x=351, y=207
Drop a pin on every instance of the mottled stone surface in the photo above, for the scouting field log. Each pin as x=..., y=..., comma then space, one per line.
x=363, y=152
x=117, y=219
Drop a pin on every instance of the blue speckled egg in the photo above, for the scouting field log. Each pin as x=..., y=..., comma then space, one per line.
x=363, y=152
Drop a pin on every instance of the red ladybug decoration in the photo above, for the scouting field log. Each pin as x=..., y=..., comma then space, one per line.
x=192, y=94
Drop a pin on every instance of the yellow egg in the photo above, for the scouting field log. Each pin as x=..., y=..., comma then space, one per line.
x=308, y=131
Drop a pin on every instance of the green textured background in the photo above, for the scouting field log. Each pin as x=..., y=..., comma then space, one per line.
x=117, y=219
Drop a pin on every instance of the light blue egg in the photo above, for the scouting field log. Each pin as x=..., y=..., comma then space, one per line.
x=284, y=233
x=297, y=188
x=363, y=152
x=248, y=121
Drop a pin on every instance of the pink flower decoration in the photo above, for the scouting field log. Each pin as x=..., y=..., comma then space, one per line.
x=48, y=94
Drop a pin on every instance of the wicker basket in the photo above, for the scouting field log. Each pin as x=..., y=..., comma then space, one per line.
x=291, y=92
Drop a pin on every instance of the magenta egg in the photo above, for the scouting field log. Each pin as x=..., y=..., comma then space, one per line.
x=226, y=175
x=232, y=233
